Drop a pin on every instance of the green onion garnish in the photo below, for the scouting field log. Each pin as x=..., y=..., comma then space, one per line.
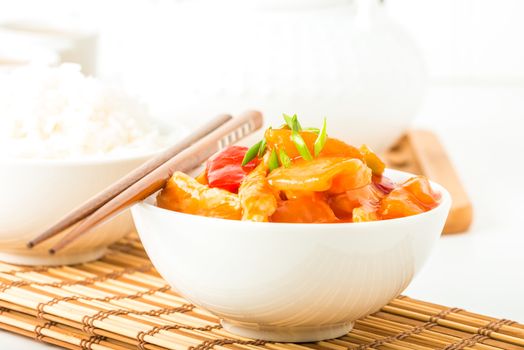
x=320, y=142
x=315, y=130
x=301, y=146
x=288, y=119
x=296, y=123
x=273, y=161
x=292, y=122
x=284, y=159
x=262, y=148
x=251, y=153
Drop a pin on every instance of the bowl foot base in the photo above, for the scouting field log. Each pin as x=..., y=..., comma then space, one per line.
x=53, y=260
x=288, y=334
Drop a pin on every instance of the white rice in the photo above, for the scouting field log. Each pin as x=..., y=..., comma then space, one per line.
x=58, y=113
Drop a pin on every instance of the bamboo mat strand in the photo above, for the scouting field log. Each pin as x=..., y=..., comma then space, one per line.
x=121, y=302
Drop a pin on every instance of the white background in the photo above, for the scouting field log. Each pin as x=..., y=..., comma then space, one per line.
x=475, y=55
x=466, y=41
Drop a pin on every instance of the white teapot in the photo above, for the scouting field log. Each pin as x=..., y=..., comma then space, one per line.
x=342, y=59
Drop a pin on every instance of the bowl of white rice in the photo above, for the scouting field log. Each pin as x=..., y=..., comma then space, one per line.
x=63, y=138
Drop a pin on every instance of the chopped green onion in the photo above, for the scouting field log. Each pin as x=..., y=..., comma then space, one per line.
x=262, y=149
x=288, y=119
x=284, y=159
x=292, y=122
x=315, y=130
x=296, y=123
x=320, y=142
x=273, y=161
x=251, y=153
x=301, y=146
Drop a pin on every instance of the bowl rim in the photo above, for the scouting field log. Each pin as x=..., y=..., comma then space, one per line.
x=81, y=160
x=445, y=202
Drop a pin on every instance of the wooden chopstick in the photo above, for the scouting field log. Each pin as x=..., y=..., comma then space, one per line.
x=90, y=206
x=190, y=158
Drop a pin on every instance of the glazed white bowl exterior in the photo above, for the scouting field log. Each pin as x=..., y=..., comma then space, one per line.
x=289, y=282
x=36, y=193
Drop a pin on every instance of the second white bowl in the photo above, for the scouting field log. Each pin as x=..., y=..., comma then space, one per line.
x=34, y=194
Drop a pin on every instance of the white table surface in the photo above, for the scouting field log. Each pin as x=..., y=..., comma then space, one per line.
x=482, y=270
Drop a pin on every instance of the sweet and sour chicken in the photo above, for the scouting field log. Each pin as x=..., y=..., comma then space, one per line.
x=297, y=175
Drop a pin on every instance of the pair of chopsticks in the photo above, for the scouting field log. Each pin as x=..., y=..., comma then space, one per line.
x=142, y=182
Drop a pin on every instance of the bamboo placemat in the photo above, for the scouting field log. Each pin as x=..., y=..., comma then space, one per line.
x=120, y=302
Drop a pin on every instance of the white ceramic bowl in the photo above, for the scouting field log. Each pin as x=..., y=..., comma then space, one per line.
x=289, y=282
x=36, y=193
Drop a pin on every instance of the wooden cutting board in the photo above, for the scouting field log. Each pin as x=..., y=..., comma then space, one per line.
x=420, y=152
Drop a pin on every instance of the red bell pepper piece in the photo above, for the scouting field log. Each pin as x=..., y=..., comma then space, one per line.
x=224, y=169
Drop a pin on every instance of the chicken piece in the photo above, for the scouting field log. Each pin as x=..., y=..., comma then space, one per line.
x=333, y=174
x=281, y=139
x=419, y=186
x=286, y=195
x=414, y=196
x=257, y=199
x=344, y=204
x=399, y=203
x=202, y=178
x=304, y=209
x=365, y=213
x=184, y=194
x=355, y=175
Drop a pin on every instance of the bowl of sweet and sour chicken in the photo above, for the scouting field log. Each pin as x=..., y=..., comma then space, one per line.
x=295, y=238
